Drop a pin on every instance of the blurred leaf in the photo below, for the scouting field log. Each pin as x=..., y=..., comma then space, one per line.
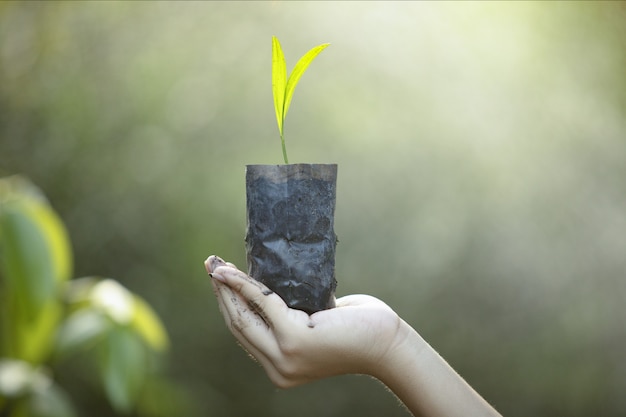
x=35, y=257
x=26, y=258
x=36, y=253
x=15, y=378
x=123, y=368
x=77, y=292
x=50, y=401
x=36, y=338
x=119, y=304
x=31, y=391
x=18, y=186
x=81, y=329
x=148, y=325
x=114, y=300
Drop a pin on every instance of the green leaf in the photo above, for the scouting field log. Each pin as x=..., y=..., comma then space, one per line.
x=77, y=292
x=297, y=72
x=283, y=88
x=16, y=378
x=279, y=82
x=114, y=300
x=26, y=256
x=36, y=254
x=123, y=368
x=92, y=300
x=32, y=391
x=34, y=340
x=147, y=324
x=80, y=330
x=50, y=401
x=35, y=261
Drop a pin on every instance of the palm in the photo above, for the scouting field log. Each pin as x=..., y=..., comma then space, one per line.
x=294, y=347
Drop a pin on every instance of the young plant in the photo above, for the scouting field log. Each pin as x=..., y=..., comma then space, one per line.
x=283, y=87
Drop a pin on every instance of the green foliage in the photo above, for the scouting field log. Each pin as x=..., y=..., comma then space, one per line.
x=118, y=329
x=122, y=367
x=35, y=262
x=283, y=87
x=28, y=391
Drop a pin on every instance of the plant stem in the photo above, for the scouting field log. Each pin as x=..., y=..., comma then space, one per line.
x=282, y=142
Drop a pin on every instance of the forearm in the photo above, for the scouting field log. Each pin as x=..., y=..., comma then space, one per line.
x=425, y=383
x=361, y=335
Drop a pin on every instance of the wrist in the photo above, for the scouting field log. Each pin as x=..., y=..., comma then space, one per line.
x=407, y=368
x=424, y=382
x=402, y=355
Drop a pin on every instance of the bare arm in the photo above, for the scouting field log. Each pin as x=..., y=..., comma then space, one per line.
x=425, y=382
x=361, y=336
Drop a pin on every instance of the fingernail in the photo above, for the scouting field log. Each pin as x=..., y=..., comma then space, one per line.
x=207, y=265
x=217, y=277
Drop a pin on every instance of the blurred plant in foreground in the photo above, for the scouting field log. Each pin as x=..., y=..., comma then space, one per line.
x=46, y=318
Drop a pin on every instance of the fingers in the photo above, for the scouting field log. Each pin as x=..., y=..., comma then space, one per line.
x=254, y=336
x=260, y=299
x=250, y=288
x=258, y=318
x=247, y=327
x=214, y=262
x=248, y=306
x=255, y=297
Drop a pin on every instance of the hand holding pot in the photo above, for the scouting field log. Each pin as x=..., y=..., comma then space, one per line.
x=293, y=347
x=362, y=335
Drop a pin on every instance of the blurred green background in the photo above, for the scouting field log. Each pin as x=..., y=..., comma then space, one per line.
x=481, y=191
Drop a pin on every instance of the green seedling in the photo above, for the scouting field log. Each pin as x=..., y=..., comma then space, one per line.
x=283, y=87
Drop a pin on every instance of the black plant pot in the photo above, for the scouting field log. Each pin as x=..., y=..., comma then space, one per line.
x=290, y=237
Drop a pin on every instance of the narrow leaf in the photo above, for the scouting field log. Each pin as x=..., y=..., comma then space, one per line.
x=279, y=81
x=297, y=72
